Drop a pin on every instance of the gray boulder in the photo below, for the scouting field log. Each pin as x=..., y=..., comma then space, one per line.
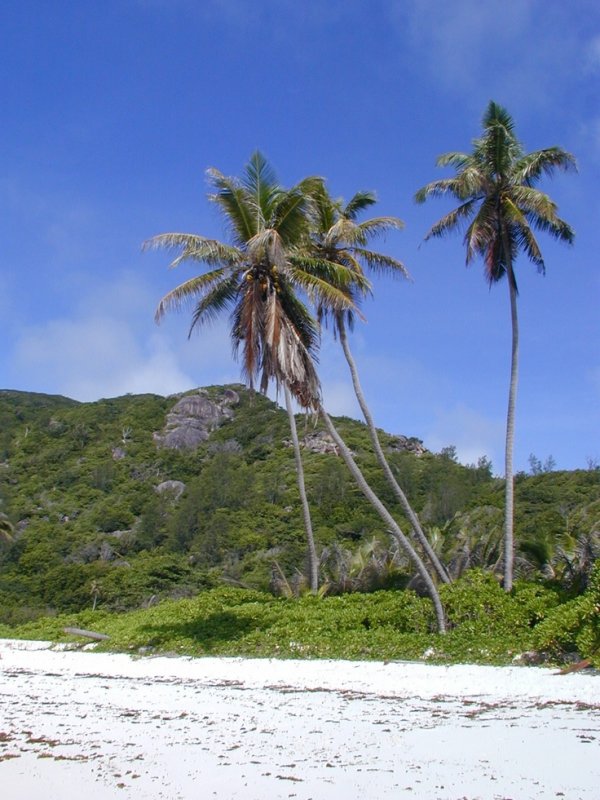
x=193, y=418
x=174, y=488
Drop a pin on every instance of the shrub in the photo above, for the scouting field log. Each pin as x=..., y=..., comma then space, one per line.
x=574, y=626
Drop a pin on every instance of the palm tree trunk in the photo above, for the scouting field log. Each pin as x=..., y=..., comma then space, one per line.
x=509, y=495
x=313, y=562
x=392, y=525
x=407, y=508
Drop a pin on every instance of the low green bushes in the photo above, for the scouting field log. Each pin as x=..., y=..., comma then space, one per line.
x=574, y=626
x=486, y=625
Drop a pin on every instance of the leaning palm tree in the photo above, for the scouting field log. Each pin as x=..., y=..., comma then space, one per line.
x=255, y=277
x=391, y=525
x=338, y=237
x=499, y=204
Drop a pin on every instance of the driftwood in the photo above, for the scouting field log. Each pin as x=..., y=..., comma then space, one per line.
x=89, y=634
x=584, y=664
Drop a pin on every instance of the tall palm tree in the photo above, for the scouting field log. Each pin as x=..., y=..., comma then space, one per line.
x=501, y=208
x=339, y=238
x=256, y=278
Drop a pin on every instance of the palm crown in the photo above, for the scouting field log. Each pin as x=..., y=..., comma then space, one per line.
x=258, y=276
x=338, y=238
x=499, y=203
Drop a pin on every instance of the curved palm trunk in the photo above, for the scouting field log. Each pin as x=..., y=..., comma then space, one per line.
x=412, y=517
x=392, y=525
x=313, y=562
x=510, y=436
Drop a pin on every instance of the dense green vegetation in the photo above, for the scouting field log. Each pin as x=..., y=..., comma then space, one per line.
x=487, y=625
x=88, y=535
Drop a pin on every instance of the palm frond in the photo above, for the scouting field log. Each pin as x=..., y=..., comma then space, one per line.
x=543, y=162
x=540, y=211
x=341, y=269
x=454, y=159
x=189, y=291
x=299, y=316
x=440, y=188
x=322, y=291
x=357, y=203
x=378, y=225
x=482, y=231
x=263, y=190
x=452, y=220
x=381, y=263
x=237, y=207
x=214, y=302
x=247, y=331
x=289, y=217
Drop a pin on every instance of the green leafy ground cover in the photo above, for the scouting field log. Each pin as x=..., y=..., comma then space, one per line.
x=487, y=626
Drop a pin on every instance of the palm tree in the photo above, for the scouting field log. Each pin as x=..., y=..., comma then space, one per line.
x=391, y=525
x=499, y=204
x=338, y=238
x=256, y=278
x=6, y=530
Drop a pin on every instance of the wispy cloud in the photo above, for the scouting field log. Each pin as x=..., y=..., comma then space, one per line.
x=109, y=346
x=523, y=52
x=471, y=432
x=98, y=357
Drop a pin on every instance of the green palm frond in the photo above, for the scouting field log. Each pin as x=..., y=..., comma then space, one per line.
x=452, y=220
x=358, y=203
x=236, y=206
x=341, y=269
x=454, y=159
x=215, y=301
x=379, y=225
x=260, y=183
x=189, y=291
x=543, y=162
x=440, y=188
x=322, y=291
x=290, y=217
x=382, y=264
x=194, y=248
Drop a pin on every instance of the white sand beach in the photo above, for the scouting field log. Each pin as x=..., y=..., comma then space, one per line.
x=91, y=726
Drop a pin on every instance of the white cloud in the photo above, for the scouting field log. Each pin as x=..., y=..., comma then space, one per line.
x=525, y=53
x=592, y=61
x=97, y=357
x=473, y=434
x=339, y=399
x=109, y=346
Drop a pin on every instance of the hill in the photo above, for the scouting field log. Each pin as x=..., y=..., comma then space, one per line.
x=123, y=501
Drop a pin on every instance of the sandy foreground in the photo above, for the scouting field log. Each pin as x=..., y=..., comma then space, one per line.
x=91, y=726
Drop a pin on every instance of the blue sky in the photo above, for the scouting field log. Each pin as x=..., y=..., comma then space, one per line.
x=113, y=110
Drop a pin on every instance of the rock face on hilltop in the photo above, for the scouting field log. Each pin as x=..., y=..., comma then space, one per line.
x=193, y=418
x=407, y=444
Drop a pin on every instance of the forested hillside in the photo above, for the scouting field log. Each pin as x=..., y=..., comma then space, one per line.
x=121, y=502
